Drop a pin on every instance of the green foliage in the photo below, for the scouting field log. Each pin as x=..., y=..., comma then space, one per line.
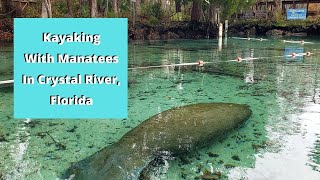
x=153, y=21
x=278, y=17
x=152, y=10
x=125, y=9
x=180, y=17
x=84, y=11
x=59, y=9
x=33, y=10
x=112, y=14
x=230, y=7
x=125, y=5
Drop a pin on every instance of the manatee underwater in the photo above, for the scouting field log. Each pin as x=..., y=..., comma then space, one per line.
x=175, y=131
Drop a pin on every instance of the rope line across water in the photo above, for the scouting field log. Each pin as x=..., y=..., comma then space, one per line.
x=238, y=59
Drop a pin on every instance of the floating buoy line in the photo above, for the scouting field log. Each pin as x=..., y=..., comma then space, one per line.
x=171, y=65
x=284, y=41
x=297, y=42
x=248, y=38
x=201, y=63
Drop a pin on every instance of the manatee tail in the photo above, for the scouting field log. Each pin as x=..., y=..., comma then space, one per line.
x=113, y=162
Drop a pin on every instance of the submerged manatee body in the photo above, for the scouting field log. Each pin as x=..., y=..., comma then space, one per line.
x=175, y=131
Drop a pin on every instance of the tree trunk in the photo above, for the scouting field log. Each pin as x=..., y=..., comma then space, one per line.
x=69, y=8
x=106, y=12
x=46, y=9
x=196, y=11
x=211, y=13
x=138, y=7
x=80, y=7
x=164, y=5
x=93, y=8
x=178, y=6
x=115, y=7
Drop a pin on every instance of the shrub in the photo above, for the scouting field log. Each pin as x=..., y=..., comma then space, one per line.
x=6, y=29
x=6, y=36
x=6, y=25
x=153, y=12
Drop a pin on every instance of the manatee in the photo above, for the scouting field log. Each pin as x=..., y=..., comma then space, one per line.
x=175, y=131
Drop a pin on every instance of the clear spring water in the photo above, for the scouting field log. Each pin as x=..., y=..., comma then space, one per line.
x=280, y=141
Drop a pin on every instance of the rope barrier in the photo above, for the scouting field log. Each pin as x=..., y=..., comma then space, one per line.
x=248, y=38
x=6, y=83
x=284, y=41
x=201, y=63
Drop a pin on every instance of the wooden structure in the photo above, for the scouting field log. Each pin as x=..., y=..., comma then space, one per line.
x=312, y=6
x=264, y=8
x=22, y=3
x=265, y=5
x=14, y=8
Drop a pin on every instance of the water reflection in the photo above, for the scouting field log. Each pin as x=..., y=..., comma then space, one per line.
x=292, y=128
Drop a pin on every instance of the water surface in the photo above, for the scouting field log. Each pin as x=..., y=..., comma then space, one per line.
x=280, y=141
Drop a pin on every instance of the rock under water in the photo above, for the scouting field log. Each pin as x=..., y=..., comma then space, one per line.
x=174, y=131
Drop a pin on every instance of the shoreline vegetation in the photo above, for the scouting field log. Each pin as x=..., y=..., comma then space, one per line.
x=165, y=19
x=198, y=30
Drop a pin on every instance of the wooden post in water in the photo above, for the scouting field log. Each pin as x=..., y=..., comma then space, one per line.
x=226, y=26
x=220, y=43
x=220, y=30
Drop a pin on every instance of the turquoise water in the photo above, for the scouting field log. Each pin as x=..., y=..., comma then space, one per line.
x=281, y=140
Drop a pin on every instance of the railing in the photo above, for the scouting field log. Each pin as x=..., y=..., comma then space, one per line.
x=253, y=15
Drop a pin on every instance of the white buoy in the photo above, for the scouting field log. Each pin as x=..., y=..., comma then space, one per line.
x=200, y=63
x=308, y=53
